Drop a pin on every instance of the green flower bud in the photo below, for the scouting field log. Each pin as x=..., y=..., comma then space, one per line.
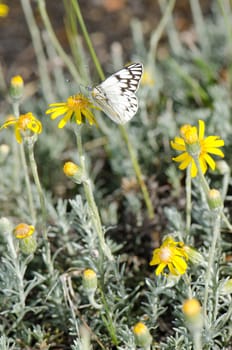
x=214, y=199
x=142, y=335
x=89, y=281
x=16, y=87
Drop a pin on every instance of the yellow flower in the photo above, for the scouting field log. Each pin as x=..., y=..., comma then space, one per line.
x=24, y=125
x=23, y=231
x=17, y=81
x=75, y=107
x=70, y=169
x=193, y=143
x=172, y=255
x=4, y=10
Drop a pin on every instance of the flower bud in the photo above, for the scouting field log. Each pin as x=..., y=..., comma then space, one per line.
x=194, y=256
x=89, y=281
x=27, y=241
x=222, y=167
x=191, y=308
x=28, y=245
x=214, y=199
x=73, y=171
x=16, y=87
x=193, y=316
x=142, y=335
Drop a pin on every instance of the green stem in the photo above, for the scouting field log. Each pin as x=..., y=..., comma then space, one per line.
x=123, y=131
x=70, y=65
x=155, y=37
x=16, y=162
x=188, y=186
x=25, y=168
x=107, y=319
x=38, y=47
x=48, y=260
x=138, y=173
x=200, y=25
x=212, y=250
x=90, y=198
x=28, y=184
x=203, y=181
x=30, y=144
x=77, y=9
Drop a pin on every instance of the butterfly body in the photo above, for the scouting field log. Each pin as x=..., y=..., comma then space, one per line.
x=116, y=95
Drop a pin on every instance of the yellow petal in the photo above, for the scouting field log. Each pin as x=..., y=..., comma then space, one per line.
x=209, y=160
x=193, y=169
x=9, y=122
x=215, y=151
x=18, y=135
x=160, y=269
x=65, y=119
x=201, y=129
x=203, y=164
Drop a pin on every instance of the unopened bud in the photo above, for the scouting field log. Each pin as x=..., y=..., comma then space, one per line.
x=142, y=335
x=16, y=87
x=27, y=240
x=89, y=281
x=73, y=171
x=214, y=199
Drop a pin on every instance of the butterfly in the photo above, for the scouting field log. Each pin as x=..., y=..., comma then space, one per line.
x=116, y=95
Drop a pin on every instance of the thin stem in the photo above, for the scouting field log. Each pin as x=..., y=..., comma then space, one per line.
x=90, y=198
x=30, y=145
x=123, y=131
x=212, y=250
x=199, y=25
x=197, y=345
x=16, y=162
x=25, y=168
x=188, y=186
x=28, y=184
x=68, y=62
x=38, y=47
x=48, y=260
x=172, y=33
x=138, y=172
x=203, y=181
x=87, y=39
x=159, y=31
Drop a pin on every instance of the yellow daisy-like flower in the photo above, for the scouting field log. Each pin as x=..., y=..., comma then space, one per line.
x=75, y=107
x=26, y=125
x=171, y=255
x=193, y=143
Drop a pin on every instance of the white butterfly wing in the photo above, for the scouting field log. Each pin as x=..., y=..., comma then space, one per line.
x=116, y=95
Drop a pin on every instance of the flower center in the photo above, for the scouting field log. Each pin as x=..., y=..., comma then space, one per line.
x=165, y=254
x=77, y=101
x=23, y=122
